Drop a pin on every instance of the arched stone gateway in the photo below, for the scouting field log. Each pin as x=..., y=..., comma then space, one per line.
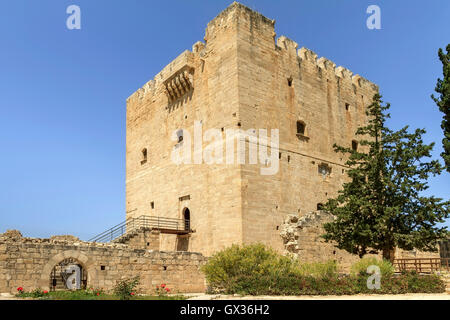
x=68, y=270
x=69, y=274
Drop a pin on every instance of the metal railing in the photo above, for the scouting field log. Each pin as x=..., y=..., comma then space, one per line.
x=422, y=265
x=165, y=225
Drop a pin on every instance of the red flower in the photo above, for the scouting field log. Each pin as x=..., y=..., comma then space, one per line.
x=98, y=293
x=132, y=293
x=163, y=286
x=167, y=289
x=20, y=289
x=45, y=291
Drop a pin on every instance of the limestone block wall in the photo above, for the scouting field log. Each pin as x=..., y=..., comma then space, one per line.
x=279, y=85
x=302, y=240
x=160, y=187
x=243, y=78
x=28, y=263
x=142, y=238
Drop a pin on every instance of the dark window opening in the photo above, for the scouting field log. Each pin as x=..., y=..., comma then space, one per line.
x=354, y=145
x=144, y=156
x=152, y=204
x=164, y=268
x=301, y=128
x=290, y=81
x=187, y=219
x=347, y=106
x=102, y=267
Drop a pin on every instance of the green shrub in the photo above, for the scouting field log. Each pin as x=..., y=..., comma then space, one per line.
x=124, y=289
x=236, y=262
x=257, y=270
x=360, y=267
x=318, y=269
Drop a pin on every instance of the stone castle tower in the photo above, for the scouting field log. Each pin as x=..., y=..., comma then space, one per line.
x=241, y=77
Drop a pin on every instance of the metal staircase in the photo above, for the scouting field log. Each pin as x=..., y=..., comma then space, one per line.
x=161, y=224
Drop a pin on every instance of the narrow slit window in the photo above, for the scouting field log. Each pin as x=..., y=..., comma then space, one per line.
x=144, y=156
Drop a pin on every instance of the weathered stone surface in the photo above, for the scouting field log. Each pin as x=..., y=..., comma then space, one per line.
x=302, y=240
x=28, y=263
x=241, y=78
x=11, y=235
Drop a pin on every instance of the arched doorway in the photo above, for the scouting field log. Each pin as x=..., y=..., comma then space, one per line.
x=68, y=274
x=187, y=219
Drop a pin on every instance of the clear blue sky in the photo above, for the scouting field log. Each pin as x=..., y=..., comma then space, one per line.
x=63, y=92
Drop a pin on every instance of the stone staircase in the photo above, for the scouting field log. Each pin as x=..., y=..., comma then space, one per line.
x=127, y=237
x=140, y=238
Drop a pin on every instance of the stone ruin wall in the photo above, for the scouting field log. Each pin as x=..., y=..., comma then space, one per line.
x=302, y=240
x=28, y=262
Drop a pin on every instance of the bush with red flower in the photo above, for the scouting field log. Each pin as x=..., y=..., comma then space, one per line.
x=162, y=290
x=36, y=293
x=125, y=289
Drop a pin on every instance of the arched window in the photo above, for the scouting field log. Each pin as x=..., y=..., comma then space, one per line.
x=187, y=218
x=144, y=156
x=301, y=128
x=180, y=136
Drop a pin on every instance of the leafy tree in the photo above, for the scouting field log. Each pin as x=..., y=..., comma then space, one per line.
x=443, y=102
x=381, y=207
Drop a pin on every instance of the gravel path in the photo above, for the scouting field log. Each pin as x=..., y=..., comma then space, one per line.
x=411, y=296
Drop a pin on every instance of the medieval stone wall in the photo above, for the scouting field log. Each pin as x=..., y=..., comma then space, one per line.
x=302, y=240
x=28, y=263
x=160, y=187
x=280, y=85
x=241, y=78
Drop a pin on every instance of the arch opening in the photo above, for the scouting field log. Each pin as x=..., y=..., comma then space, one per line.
x=187, y=219
x=69, y=274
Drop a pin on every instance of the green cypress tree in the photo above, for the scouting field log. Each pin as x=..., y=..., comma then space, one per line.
x=443, y=102
x=382, y=208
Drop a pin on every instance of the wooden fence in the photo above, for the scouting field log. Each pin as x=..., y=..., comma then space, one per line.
x=422, y=265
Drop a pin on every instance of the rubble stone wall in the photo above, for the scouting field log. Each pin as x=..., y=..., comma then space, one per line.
x=302, y=239
x=28, y=263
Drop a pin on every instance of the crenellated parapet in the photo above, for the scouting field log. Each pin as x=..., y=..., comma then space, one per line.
x=176, y=79
x=310, y=57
